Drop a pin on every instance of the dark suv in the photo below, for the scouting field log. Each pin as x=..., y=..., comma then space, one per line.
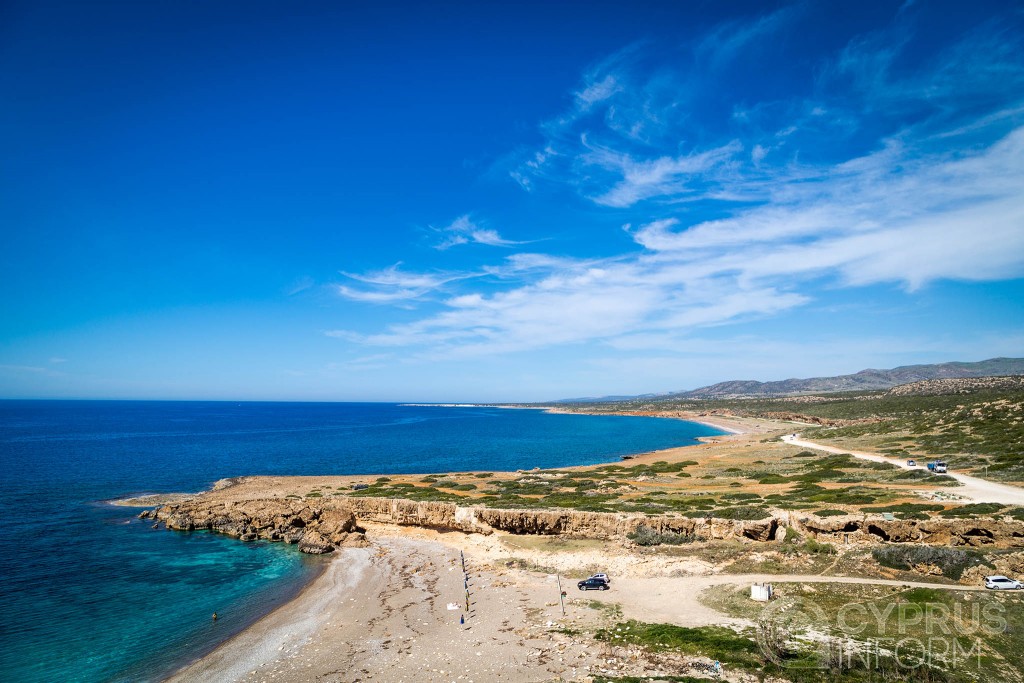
x=593, y=585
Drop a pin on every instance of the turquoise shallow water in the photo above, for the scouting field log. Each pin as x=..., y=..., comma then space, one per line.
x=92, y=594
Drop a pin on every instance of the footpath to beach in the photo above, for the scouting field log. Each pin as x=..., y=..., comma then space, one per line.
x=973, y=489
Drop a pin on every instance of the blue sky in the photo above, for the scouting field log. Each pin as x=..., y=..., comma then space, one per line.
x=505, y=201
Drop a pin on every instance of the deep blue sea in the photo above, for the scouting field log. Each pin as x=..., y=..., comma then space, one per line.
x=89, y=593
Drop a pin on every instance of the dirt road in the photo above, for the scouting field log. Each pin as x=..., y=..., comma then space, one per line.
x=675, y=600
x=974, y=490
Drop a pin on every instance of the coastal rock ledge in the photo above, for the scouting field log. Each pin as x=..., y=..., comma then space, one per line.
x=317, y=529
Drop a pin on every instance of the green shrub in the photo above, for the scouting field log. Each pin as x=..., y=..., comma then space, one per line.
x=743, y=512
x=646, y=536
x=973, y=510
x=907, y=510
x=718, y=641
x=814, y=547
x=951, y=562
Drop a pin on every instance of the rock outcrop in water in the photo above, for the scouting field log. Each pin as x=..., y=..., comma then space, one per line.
x=317, y=529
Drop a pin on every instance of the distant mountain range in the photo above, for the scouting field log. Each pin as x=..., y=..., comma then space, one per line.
x=865, y=380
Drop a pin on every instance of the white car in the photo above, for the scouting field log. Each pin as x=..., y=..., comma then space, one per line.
x=601, y=577
x=1001, y=583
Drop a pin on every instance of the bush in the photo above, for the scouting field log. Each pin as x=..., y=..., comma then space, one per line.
x=744, y=512
x=951, y=562
x=645, y=535
x=973, y=510
x=907, y=510
x=717, y=641
x=813, y=547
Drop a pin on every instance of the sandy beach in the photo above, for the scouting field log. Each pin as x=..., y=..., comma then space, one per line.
x=382, y=613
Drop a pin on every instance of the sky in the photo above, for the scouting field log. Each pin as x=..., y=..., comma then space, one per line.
x=407, y=201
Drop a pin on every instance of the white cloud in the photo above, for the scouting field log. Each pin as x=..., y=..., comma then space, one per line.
x=657, y=177
x=730, y=40
x=887, y=217
x=936, y=198
x=595, y=92
x=463, y=230
x=392, y=285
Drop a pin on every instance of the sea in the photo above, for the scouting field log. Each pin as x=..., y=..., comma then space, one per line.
x=91, y=593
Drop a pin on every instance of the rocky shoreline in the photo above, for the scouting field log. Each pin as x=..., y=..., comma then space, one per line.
x=316, y=529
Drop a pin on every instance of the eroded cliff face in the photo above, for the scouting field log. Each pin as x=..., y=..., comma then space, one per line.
x=608, y=525
x=953, y=532
x=324, y=526
x=316, y=529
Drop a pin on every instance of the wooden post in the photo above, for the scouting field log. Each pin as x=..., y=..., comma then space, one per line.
x=561, y=593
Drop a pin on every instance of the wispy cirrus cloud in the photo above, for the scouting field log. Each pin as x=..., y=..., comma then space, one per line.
x=464, y=230
x=889, y=217
x=392, y=285
x=639, y=130
x=643, y=179
x=751, y=214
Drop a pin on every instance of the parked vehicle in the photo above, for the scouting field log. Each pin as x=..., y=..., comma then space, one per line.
x=911, y=463
x=940, y=468
x=593, y=585
x=602, y=577
x=1001, y=583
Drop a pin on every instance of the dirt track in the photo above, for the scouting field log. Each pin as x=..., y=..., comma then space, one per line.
x=974, y=490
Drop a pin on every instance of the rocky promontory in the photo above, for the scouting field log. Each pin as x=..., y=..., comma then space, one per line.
x=317, y=529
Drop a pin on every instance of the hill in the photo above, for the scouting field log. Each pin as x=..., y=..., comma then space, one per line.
x=865, y=380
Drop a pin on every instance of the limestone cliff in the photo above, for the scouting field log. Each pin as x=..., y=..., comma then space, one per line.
x=609, y=525
x=323, y=526
x=316, y=528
